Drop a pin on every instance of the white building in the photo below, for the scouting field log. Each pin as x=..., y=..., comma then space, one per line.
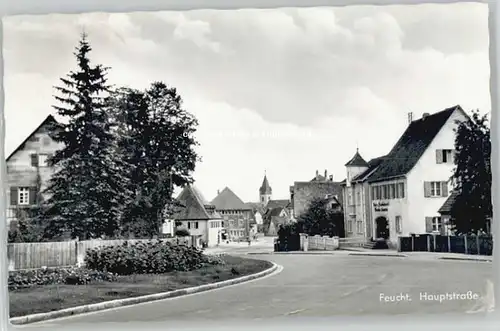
x=197, y=216
x=401, y=193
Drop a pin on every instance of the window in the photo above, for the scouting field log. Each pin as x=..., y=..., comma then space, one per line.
x=437, y=224
x=399, y=229
x=435, y=189
x=39, y=160
x=392, y=194
x=359, y=227
x=23, y=196
x=189, y=225
x=196, y=225
x=444, y=156
x=386, y=191
x=401, y=190
x=349, y=226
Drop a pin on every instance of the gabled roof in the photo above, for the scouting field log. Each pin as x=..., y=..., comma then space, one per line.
x=265, y=188
x=411, y=146
x=274, y=211
x=194, y=206
x=357, y=161
x=311, y=190
x=228, y=200
x=49, y=120
x=448, y=204
x=277, y=203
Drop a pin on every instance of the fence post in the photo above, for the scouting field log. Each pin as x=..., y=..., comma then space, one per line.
x=428, y=243
x=434, y=238
x=477, y=244
x=324, y=243
x=449, y=244
x=465, y=244
x=413, y=243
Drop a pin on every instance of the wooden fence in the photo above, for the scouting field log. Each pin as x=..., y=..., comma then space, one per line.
x=466, y=244
x=64, y=253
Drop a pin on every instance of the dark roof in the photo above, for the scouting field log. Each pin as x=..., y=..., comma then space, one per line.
x=357, y=161
x=265, y=188
x=277, y=203
x=311, y=190
x=372, y=165
x=47, y=121
x=255, y=207
x=446, y=207
x=194, y=204
x=274, y=212
x=228, y=200
x=412, y=144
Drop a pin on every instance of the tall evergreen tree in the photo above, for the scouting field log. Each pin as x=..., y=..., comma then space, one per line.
x=472, y=175
x=156, y=139
x=87, y=192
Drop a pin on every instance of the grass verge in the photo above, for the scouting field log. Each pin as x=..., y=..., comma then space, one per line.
x=43, y=299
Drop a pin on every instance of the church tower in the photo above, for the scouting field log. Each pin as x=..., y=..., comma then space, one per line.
x=265, y=192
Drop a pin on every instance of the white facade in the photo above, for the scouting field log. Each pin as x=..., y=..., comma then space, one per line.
x=409, y=203
x=207, y=230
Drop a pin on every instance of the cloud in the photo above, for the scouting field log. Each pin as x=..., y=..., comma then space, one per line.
x=288, y=90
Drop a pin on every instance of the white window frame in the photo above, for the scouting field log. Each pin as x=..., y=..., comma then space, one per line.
x=23, y=196
x=437, y=224
x=435, y=189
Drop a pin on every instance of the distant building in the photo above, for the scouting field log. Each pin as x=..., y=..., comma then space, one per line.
x=401, y=193
x=197, y=216
x=302, y=193
x=239, y=221
x=27, y=170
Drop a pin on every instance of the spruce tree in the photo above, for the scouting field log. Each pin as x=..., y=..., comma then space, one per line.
x=86, y=194
x=472, y=175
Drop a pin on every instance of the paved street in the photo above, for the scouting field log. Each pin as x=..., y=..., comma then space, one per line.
x=319, y=285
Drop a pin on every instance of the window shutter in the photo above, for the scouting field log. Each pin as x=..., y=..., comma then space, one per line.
x=427, y=189
x=444, y=189
x=439, y=156
x=32, y=195
x=428, y=224
x=34, y=160
x=13, y=196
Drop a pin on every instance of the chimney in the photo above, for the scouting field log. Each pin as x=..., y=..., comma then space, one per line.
x=410, y=117
x=218, y=192
x=317, y=174
x=326, y=174
x=424, y=115
x=331, y=178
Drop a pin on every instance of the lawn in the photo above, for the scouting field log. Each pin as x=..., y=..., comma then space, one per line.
x=41, y=299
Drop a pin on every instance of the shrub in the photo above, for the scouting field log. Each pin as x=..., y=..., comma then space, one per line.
x=71, y=276
x=153, y=257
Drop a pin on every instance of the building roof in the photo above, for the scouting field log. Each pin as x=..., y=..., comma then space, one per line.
x=274, y=211
x=448, y=204
x=277, y=203
x=411, y=146
x=265, y=188
x=372, y=165
x=194, y=206
x=228, y=200
x=318, y=189
x=255, y=207
x=357, y=161
x=49, y=120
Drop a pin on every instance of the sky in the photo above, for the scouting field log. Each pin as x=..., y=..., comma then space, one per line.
x=284, y=92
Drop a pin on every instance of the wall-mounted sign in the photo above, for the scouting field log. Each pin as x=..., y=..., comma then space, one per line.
x=381, y=206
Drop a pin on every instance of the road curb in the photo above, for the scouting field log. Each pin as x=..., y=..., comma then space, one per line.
x=465, y=259
x=136, y=300
x=376, y=254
